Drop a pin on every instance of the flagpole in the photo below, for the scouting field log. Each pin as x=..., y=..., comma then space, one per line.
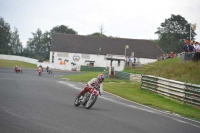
x=190, y=32
x=126, y=47
x=125, y=51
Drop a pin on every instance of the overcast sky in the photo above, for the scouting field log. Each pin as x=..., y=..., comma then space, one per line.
x=135, y=19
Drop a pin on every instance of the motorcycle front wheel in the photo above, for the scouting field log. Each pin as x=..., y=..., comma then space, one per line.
x=76, y=102
x=91, y=101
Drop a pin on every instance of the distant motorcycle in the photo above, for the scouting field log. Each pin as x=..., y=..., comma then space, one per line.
x=18, y=70
x=89, y=98
x=41, y=67
x=39, y=72
x=49, y=71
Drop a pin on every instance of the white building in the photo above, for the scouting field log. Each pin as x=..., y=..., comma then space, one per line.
x=70, y=51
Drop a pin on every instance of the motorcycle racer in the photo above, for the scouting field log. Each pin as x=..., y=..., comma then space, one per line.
x=16, y=68
x=39, y=68
x=47, y=68
x=93, y=83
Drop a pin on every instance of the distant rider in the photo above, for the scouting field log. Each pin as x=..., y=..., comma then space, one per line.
x=18, y=69
x=47, y=68
x=39, y=68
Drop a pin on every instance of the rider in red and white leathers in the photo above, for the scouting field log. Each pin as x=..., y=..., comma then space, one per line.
x=95, y=82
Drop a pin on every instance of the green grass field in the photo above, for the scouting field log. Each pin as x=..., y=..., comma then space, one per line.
x=13, y=63
x=174, y=69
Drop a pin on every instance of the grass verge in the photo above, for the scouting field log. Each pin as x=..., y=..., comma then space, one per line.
x=175, y=69
x=13, y=63
x=88, y=76
x=133, y=92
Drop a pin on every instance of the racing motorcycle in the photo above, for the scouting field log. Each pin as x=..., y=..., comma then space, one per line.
x=18, y=70
x=89, y=98
x=49, y=71
x=39, y=72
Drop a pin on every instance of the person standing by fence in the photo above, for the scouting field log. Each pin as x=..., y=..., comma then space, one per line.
x=127, y=61
x=187, y=49
x=197, y=52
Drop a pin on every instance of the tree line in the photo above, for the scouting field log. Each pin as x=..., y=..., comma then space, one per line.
x=173, y=32
x=38, y=46
x=9, y=41
x=171, y=36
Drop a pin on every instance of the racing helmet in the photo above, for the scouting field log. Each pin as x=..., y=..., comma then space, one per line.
x=100, y=78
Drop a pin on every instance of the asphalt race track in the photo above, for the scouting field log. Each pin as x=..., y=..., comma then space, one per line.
x=45, y=104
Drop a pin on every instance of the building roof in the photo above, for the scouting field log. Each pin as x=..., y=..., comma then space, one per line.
x=105, y=45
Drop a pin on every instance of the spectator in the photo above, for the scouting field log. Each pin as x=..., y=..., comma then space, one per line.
x=127, y=60
x=188, y=48
x=134, y=60
x=197, y=52
x=131, y=59
x=163, y=57
x=172, y=55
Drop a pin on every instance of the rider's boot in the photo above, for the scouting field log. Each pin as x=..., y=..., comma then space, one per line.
x=80, y=97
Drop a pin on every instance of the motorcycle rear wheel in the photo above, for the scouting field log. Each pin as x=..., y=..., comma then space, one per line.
x=91, y=101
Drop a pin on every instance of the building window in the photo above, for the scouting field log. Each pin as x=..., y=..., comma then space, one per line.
x=85, y=56
x=62, y=54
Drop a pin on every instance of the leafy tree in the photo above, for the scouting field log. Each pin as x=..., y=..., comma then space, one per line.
x=173, y=33
x=5, y=35
x=100, y=34
x=15, y=44
x=35, y=45
x=63, y=29
x=26, y=52
x=47, y=42
x=39, y=45
x=97, y=34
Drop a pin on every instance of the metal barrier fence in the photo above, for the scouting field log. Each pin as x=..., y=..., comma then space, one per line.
x=106, y=74
x=91, y=68
x=187, y=56
x=122, y=75
x=184, y=92
x=125, y=76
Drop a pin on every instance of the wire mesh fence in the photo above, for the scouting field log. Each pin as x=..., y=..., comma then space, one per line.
x=187, y=56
